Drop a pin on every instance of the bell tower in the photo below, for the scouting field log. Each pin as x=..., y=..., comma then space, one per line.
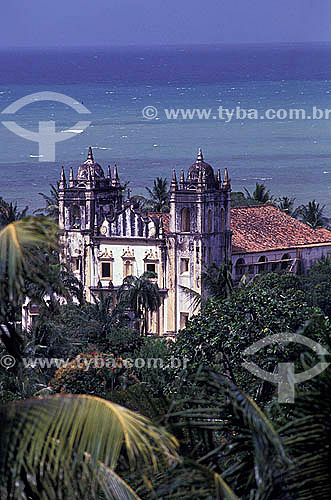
x=199, y=234
x=84, y=202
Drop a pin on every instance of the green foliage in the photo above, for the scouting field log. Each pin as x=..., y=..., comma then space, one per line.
x=230, y=447
x=238, y=199
x=94, y=373
x=51, y=208
x=218, y=280
x=138, y=397
x=269, y=305
x=68, y=446
x=156, y=373
x=312, y=214
x=20, y=245
x=158, y=200
x=141, y=295
x=286, y=204
x=9, y=213
x=317, y=285
x=260, y=194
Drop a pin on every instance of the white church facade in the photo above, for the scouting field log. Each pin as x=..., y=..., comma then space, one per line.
x=106, y=238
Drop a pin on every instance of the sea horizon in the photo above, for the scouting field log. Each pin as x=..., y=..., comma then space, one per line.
x=292, y=158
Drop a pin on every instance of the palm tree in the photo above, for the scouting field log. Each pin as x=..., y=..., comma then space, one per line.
x=19, y=259
x=230, y=448
x=312, y=214
x=10, y=213
x=52, y=203
x=158, y=200
x=141, y=295
x=69, y=446
x=260, y=195
x=218, y=280
x=286, y=204
x=60, y=283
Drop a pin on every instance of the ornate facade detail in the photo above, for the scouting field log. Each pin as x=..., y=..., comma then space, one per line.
x=150, y=255
x=106, y=256
x=128, y=254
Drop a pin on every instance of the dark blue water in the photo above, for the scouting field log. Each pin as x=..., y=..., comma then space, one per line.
x=291, y=157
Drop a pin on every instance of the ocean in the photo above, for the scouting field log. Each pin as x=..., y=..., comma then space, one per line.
x=291, y=157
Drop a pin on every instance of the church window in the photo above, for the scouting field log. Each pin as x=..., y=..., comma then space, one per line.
x=75, y=217
x=210, y=222
x=222, y=220
x=184, y=265
x=76, y=264
x=185, y=220
x=151, y=268
x=128, y=268
x=106, y=270
x=240, y=267
x=263, y=265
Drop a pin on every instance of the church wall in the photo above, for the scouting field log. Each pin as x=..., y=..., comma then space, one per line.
x=137, y=253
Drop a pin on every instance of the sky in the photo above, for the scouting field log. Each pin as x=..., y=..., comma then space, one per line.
x=61, y=23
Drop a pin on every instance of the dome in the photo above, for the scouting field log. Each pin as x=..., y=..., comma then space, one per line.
x=207, y=171
x=96, y=169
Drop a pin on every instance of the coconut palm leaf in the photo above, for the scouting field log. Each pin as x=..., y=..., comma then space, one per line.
x=52, y=203
x=17, y=240
x=141, y=295
x=10, y=213
x=67, y=439
x=195, y=297
x=218, y=280
x=312, y=214
x=251, y=448
x=260, y=194
x=286, y=204
x=158, y=200
x=188, y=481
x=308, y=438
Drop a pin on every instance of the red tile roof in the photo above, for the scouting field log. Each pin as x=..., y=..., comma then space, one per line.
x=263, y=228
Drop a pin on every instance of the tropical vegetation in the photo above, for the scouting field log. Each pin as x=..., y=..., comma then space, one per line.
x=98, y=424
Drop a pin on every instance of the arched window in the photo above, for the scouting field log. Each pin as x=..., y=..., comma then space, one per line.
x=128, y=268
x=222, y=220
x=263, y=266
x=240, y=267
x=75, y=216
x=185, y=220
x=284, y=265
x=274, y=266
x=210, y=222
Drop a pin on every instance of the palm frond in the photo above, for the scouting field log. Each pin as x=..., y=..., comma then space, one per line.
x=58, y=435
x=195, y=297
x=17, y=240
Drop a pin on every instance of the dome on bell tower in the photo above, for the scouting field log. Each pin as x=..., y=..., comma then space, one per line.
x=203, y=169
x=96, y=169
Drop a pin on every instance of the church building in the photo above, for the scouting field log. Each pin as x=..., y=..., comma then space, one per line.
x=106, y=238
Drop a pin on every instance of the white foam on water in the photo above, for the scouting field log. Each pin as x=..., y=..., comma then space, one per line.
x=72, y=131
